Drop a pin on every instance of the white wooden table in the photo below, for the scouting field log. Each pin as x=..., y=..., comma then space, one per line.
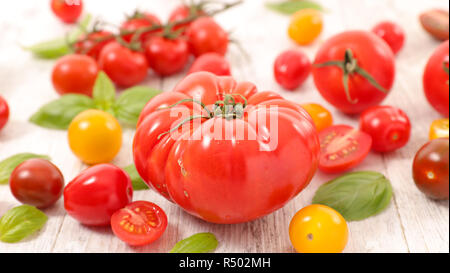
x=412, y=223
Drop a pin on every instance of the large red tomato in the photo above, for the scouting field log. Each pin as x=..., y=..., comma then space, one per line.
x=225, y=166
x=354, y=70
x=435, y=79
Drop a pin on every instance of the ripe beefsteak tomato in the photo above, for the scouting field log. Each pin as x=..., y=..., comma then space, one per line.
x=230, y=162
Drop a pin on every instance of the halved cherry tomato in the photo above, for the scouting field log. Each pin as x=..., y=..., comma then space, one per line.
x=205, y=35
x=342, y=148
x=306, y=25
x=430, y=169
x=291, y=69
x=138, y=21
x=93, y=43
x=4, y=112
x=318, y=229
x=321, y=116
x=167, y=56
x=67, y=10
x=392, y=34
x=139, y=223
x=97, y=193
x=388, y=126
x=211, y=62
x=439, y=129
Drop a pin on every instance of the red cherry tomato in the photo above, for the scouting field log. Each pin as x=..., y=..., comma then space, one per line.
x=139, y=223
x=342, y=148
x=213, y=63
x=165, y=56
x=93, y=43
x=291, y=69
x=67, y=10
x=436, y=79
x=139, y=21
x=94, y=195
x=205, y=35
x=430, y=169
x=392, y=34
x=125, y=67
x=4, y=112
x=353, y=49
x=182, y=12
x=37, y=182
x=75, y=74
x=388, y=126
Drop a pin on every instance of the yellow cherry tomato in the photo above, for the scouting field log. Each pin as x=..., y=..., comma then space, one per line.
x=95, y=137
x=439, y=129
x=318, y=229
x=321, y=116
x=306, y=25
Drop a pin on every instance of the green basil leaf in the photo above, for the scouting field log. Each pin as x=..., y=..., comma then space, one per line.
x=59, y=113
x=291, y=7
x=130, y=103
x=356, y=195
x=104, y=92
x=136, y=180
x=58, y=47
x=20, y=222
x=198, y=243
x=8, y=165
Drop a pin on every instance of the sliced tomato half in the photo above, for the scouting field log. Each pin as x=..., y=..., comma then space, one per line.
x=342, y=148
x=139, y=223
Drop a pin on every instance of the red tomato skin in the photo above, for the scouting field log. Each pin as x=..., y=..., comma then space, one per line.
x=389, y=127
x=373, y=55
x=93, y=196
x=137, y=23
x=213, y=63
x=291, y=69
x=65, y=11
x=137, y=239
x=205, y=36
x=435, y=80
x=433, y=158
x=165, y=56
x=75, y=74
x=90, y=46
x=392, y=34
x=4, y=112
x=37, y=182
x=125, y=67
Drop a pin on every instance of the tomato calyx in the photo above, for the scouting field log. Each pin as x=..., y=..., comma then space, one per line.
x=350, y=66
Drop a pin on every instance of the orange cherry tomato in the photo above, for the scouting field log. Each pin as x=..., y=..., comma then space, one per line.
x=321, y=116
x=439, y=129
x=306, y=25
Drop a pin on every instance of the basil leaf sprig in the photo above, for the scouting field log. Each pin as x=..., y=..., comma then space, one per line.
x=356, y=195
x=292, y=6
x=198, y=243
x=58, y=47
x=20, y=222
x=136, y=180
x=8, y=165
x=126, y=107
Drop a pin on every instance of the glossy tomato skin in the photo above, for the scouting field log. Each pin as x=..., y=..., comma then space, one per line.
x=37, y=182
x=321, y=116
x=388, y=126
x=305, y=26
x=4, y=112
x=93, y=43
x=213, y=63
x=435, y=79
x=291, y=69
x=392, y=34
x=67, y=11
x=125, y=67
x=146, y=19
x=139, y=223
x=430, y=169
x=439, y=129
x=227, y=179
x=342, y=148
x=205, y=35
x=372, y=54
x=75, y=74
x=97, y=193
x=166, y=56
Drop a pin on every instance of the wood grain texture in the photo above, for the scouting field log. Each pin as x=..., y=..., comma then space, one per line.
x=412, y=223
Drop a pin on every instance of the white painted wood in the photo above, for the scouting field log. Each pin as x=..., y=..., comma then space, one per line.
x=412, y=223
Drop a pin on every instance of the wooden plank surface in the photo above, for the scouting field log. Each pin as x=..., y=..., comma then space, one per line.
x=412, y=223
